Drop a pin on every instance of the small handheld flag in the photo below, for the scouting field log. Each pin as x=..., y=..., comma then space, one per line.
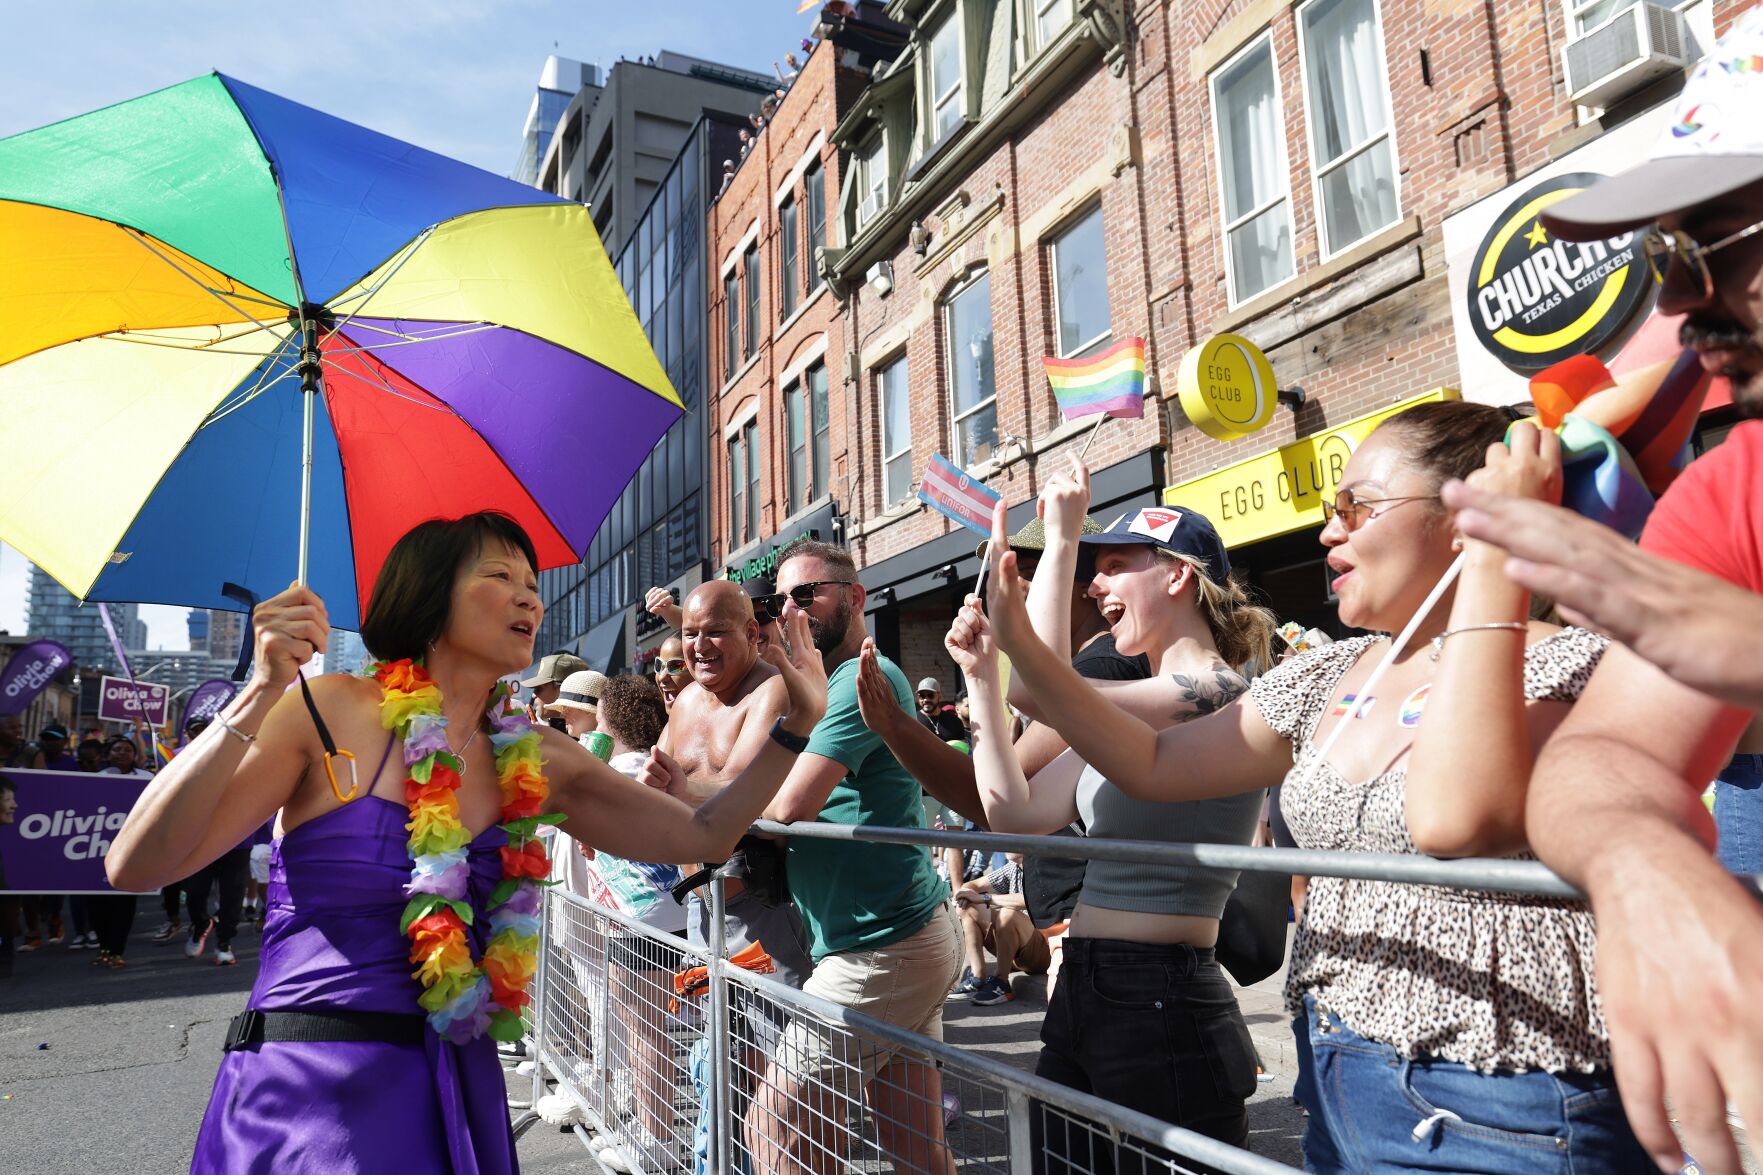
x=951, y=491
x=1112, y=383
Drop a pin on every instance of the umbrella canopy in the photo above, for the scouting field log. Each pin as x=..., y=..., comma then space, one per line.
x=159, y=261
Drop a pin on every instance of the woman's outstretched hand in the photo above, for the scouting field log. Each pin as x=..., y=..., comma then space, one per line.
x=291, y=628
x=1006, y=594
x=804, y=673
x=1065, y=501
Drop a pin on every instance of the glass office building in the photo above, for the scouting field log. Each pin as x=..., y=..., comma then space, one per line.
x=658, y=530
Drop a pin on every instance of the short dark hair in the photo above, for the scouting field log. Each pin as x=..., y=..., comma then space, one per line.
x=124, y=739
x=829, y=553
x=631, y=711
x=414, y=591
x=6, y=785
x=96, y=746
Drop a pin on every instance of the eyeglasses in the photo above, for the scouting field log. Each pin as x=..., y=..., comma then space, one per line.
x=1353, y=513
x=768, y=608
x=803, y=593
x=1661, y=245
x=673, y=665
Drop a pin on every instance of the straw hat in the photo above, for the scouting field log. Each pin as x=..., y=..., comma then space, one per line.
x=580, y=691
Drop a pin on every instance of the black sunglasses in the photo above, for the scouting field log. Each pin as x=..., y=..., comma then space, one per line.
x=768, y=608
x=803, y=593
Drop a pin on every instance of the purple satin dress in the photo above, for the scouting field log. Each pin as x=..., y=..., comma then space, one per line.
x=330, y=940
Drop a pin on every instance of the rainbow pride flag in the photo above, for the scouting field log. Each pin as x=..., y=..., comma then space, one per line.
x=1112, y=382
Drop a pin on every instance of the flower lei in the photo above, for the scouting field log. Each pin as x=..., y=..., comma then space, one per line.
x=463, y=1000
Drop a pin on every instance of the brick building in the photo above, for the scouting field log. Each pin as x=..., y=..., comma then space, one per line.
x=1045, y=177
x=781, y=422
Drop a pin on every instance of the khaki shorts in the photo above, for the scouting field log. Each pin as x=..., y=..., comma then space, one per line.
x=903, y=983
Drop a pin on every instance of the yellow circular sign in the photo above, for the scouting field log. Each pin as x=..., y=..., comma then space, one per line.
x=1227, y=388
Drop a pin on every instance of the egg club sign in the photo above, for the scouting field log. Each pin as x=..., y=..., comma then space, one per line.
x=1535, y=300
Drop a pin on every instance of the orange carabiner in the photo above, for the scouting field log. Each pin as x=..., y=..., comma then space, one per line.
x=354, y=779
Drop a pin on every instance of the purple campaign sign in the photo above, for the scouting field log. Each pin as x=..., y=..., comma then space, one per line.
x=122, y=700
x=31, y=669
x=62, y=829
x=209, y=699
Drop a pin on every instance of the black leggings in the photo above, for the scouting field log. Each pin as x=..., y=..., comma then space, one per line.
x=113, y=916
x=230, y=873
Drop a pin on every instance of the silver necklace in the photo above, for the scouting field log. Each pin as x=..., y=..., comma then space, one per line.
x=460, y=753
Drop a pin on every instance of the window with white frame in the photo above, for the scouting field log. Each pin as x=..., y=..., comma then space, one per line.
x=872, y=178
x=1051, y=17
x=814, y=191
x=731, y=311
x=945, y=76
x=1352, y=151
x=896, y=432
x=807, y=437
x=737, y=491
x=750, y=266
x=973, y=394
x=1585, y=15
x=1253, y=175
x=788, y=249
x=1080, y=284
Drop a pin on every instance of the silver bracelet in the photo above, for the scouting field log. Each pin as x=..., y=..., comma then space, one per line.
x=247, y=739
x=1438, y=642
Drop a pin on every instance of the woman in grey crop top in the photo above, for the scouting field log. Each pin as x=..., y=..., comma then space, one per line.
x=1138, y=961
x=1436, y=1030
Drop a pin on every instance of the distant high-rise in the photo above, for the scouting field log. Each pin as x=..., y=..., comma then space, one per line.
x=559, y=82
x=197, y=621
x=226, y=634
x=56, y=613
x=347, y=654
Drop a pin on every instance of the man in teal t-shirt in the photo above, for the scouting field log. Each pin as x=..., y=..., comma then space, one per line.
x=883, y=940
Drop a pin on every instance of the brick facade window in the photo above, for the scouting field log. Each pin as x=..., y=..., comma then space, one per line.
x=808, y=436
x=1249, y=126
x=750, y=266
x=731, y=311
x=743, y=484
x=896, y=432
x=1347, y=93
x=788, y=250
x=814, y=192
x=973, y=392
x=1080, y=284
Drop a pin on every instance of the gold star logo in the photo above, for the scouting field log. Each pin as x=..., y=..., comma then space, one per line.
x=1536, y=236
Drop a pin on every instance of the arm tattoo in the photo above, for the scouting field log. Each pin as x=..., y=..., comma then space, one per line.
x=1207, y=693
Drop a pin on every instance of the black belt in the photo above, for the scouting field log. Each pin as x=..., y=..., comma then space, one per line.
x=253, y=1027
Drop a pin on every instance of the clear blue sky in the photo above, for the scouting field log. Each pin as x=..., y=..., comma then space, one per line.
x=455, y=76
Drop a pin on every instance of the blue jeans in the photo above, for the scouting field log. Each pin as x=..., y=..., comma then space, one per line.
x=1373, y=1112
x=1738, y=814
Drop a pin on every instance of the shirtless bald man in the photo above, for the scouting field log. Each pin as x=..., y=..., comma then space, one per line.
x=718, y=724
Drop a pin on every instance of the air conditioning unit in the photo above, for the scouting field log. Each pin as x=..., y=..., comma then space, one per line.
x=871, y=205
x=1637, y=45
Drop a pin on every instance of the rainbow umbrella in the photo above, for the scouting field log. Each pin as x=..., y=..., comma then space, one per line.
x=223, y=313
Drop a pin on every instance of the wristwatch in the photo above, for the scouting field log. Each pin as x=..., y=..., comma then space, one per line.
x=795, y=744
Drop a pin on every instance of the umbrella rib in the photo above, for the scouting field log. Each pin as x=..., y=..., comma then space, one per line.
x=270, y=375
x=476, y=328
x=376, y=378
x=115, y=337
x=199, y=283
x=367, y=294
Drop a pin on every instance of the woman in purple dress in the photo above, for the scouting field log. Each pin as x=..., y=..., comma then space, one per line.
x=335, y=1068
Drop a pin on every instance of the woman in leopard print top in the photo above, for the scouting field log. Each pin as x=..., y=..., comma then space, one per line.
x=1437, y=1029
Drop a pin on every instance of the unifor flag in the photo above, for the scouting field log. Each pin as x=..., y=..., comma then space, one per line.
x=1112, y=383
x=949, y=489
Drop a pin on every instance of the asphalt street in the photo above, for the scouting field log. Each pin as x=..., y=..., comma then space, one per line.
x=110, y=1070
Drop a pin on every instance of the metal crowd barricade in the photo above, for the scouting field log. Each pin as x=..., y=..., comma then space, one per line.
x=689, y=1085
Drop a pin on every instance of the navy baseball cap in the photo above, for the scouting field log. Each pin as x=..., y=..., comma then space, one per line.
x=1180, y=532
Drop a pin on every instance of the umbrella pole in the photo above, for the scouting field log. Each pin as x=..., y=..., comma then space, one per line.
x=311, y=384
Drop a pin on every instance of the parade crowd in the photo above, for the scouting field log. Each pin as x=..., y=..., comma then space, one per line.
x=1569, y=699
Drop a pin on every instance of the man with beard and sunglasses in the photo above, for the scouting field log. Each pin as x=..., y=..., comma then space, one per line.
x=1614, y=801
x=883, y=940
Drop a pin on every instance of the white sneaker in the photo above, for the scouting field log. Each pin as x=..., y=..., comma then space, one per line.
x=223, y=957
x=639, y=1151
x=194, y=948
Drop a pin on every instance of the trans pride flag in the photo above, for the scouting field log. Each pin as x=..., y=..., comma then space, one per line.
x=952, y=491
x=1112, y=383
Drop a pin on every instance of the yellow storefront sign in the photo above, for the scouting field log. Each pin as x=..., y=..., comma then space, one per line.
x=1226, y=387
x=1282, y=491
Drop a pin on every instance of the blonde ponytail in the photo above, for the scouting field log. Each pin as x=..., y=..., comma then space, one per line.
x=1242, y=629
